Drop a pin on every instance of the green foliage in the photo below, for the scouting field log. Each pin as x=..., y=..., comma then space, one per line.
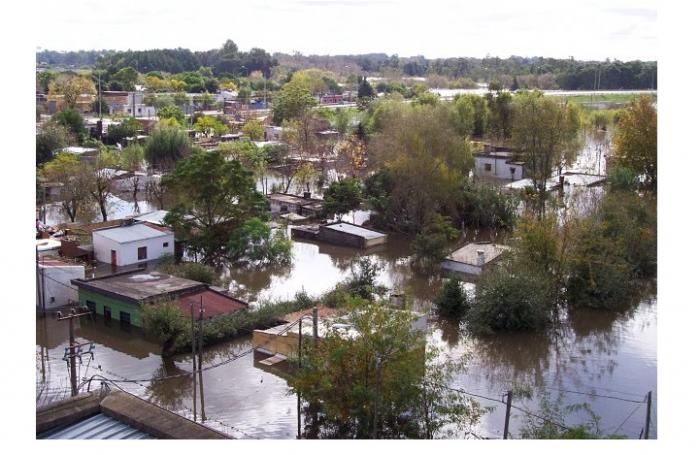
x=255, y=242
x=132, y=158
x=362, y=282
x=452, y=300
x=634, y=142
x=213, y=197
x=382, y=377
x=72, y=121
x=342, y=196
x=210, y=126
x=190, y=270
x=434, y=241
x=621, y=178
x=129, y=127
x=172, y=111
x=292, y=102
x=254, y=130
x=166, y=146
x=165, y=321
x=67, y=170
x=510, y=297
x=50, y=138
x=486, y=206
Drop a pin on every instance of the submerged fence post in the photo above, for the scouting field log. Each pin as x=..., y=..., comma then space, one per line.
x=648, y=419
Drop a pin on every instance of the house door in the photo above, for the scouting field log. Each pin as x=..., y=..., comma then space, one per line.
x=114, y=258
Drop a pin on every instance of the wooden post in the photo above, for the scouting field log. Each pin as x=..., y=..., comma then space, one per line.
x=71, y=347
x=298, y=395
x=648, y=419
x=315, y=319
x=507, y=422
x=201, y=352
x=378, y=397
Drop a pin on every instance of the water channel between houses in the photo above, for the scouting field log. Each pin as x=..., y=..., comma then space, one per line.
x=599, y=353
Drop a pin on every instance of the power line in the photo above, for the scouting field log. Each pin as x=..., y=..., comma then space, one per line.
x=628, y=417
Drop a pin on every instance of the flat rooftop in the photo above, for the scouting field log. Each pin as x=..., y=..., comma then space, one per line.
x=132, y=233
x=353, y=229
x=468, y=253
x=140, y=285
x=292, y=198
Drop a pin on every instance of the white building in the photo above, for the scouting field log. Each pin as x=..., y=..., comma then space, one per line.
x=472, y=258
x=498, y=165
x=273, y=133
x=132, y=243
x=55, y=288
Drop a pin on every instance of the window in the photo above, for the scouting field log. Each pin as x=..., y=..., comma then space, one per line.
x=125, y=318
x=165, y=244
x=512, y=170
x=487, y=167
x=107, y=313
x=142, y=253
x=91, y=306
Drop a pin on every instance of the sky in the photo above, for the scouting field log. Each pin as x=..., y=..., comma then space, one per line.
x=584, y=29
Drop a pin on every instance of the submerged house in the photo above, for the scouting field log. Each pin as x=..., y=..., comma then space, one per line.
x=498, y=162
x=54, y=286
x=473, y=258
x=281, y=203
x=132, y=242
x=341, y=233
x=121, y=295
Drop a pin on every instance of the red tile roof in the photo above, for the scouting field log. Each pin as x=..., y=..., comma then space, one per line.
x=215, y=303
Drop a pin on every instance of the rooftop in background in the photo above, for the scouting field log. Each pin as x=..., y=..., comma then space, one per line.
x=78, y=150
x=97, y=427
x=215, y=303
x=468, y=254
x=292, y=198
x=153, y=217
x=52, y=261
x=140, y=285
x=132, y=232
x=353, y=229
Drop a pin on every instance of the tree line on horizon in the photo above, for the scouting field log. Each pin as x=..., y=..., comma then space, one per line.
x=228, y=60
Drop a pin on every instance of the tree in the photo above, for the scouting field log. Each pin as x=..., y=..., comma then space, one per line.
x=500, y=115
x=253, y=129
x=51, y=137
x=292, y=101
x=165, y=321
x=166, y=146
x=213, y=196
x=171, y=111
x=486, y=206
x=634, y=140
x=362, y=282
x=342, y=196
x=379, y=383
x=67, y=170
x=255, y=242
x=433, y=242
x=546, y=132
x=305, y=176
x=101, y=178
x=71, y=87
x=365, y=93
x=132, y=159
x=129, y=127
x=452, y=300
x=72, y=121
x=126, y=77
x=210, y=126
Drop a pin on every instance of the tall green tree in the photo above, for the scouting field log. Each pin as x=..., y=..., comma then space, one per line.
x=634, y=141
x=342, y=196
x=67, y=170
x=166, y=145
x=213, y=197
x=292, y=101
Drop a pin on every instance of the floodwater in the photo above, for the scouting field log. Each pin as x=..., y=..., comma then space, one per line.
x=597, y=353
x=605, y=359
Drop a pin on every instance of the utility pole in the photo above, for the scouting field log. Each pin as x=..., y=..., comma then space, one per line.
x=378, y=397
x=298, y=395
x=201, y=351
x=315, y=319
x=648, y=419
x=194, y=364
x=71, y=343
x=509, y=401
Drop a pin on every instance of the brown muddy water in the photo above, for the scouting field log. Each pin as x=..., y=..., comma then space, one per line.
x=597, y=353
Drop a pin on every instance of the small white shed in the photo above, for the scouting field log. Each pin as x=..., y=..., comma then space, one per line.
x=473, y=257
x=132, y=243
x=55, y=288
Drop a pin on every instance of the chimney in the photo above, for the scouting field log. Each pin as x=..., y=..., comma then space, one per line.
x=307, y=195
x=480, y=258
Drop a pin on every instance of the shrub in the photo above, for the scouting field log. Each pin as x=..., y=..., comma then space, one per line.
x=165, y=321
x=486, y=206
x=452, y=299
x=432, y=244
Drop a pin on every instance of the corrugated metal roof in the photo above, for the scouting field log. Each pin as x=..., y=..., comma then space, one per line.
x=133, y=233
x=97, y=427
x=355, y=230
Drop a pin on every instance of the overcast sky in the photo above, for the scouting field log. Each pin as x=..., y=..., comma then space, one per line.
x=585, y=29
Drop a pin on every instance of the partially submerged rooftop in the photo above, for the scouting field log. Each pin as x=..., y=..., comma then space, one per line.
x=353, y=229
x=132, y=232
x=139, y=286
x=293, y=198
x=469, y=253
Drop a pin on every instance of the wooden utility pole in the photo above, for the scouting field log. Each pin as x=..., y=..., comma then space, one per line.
x=315, y=319
x=194, y=364
x=201, y=351
x=378, y=397
x=509, y=401
x=298, y=395
x=648, y=419
x=71, y=346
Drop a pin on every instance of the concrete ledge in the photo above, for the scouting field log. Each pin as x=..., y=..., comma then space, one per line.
x=154, y=420
x=67, y=412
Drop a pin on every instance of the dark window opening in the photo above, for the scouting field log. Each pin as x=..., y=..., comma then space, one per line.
x=165, y=244
x=107, y=313
x=92, y=307
x=125, y=318
x=142, y=253
x=487, y=167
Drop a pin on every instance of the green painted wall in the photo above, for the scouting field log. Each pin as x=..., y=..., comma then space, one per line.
x=115, y=306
